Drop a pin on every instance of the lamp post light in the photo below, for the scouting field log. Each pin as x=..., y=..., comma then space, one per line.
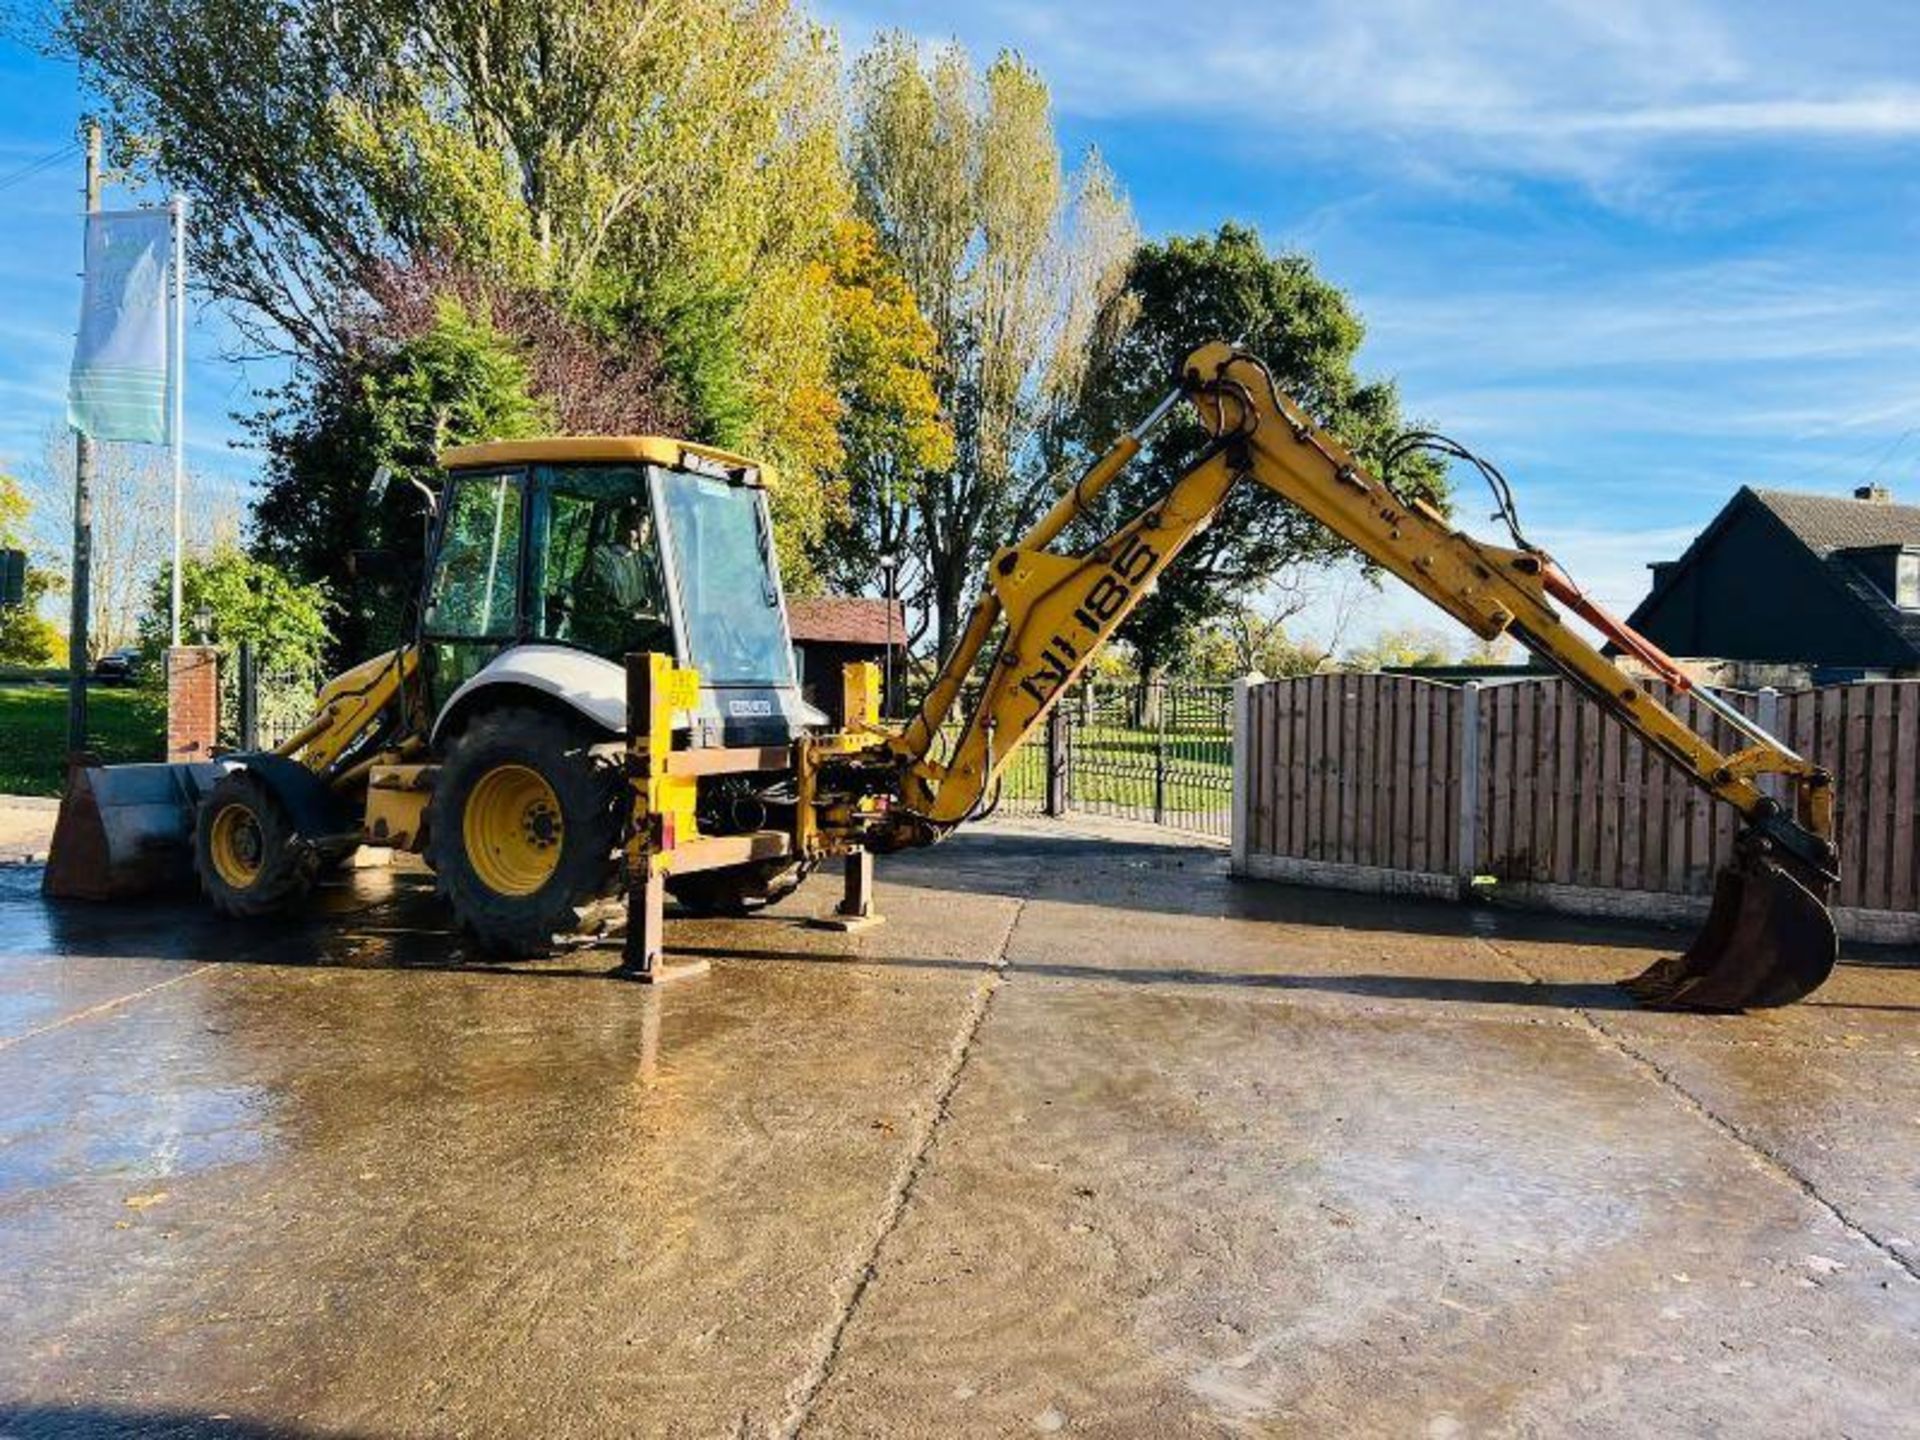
x=889, y=569
x=203, y=624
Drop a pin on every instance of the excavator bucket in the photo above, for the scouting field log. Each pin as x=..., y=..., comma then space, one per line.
x=1769, y=940
x=125, y=830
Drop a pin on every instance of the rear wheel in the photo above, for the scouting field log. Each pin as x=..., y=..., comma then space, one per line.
x=522, y=828
x=250, y=859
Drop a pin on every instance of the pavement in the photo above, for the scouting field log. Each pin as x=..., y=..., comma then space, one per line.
x=26, y=825
x=1087, y=1139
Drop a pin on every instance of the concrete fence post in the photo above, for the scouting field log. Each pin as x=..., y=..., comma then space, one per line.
x=1469, y=797
x=1241, y=768
x=1766, y=714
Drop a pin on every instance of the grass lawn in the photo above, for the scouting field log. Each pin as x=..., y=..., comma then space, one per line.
x=125, y=724
x=1114, y=767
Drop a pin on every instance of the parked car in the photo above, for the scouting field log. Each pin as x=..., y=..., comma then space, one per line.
x=118, y=667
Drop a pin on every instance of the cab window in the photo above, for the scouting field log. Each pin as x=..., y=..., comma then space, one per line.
x=476, y=577
x=600, y=584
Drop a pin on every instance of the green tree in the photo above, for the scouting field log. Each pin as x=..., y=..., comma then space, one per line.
x=1501, y=650
x=666, y=166
x=892, y=434
x=15, y=507
x=1190, y=289
x=1244, y=640
x=457, y=379
x=26, y=638
x=244, y=598
x=1010, y=259
x=1414, y=647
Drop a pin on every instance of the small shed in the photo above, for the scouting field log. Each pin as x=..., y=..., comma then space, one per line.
x=831, y=631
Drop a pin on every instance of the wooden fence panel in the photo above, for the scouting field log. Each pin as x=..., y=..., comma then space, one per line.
x=1366, y=770
x=1901, y=886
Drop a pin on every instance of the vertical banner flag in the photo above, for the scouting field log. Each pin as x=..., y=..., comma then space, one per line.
x=118, y=389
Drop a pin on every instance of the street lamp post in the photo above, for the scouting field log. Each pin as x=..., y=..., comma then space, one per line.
x=889, y=568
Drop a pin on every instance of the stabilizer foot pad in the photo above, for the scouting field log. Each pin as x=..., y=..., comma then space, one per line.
x=662, y=973
x=847, y=924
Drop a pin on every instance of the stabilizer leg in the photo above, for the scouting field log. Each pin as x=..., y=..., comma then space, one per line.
x=855, y=910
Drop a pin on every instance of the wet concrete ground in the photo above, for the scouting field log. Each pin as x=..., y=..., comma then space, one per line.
x=1087, y=1138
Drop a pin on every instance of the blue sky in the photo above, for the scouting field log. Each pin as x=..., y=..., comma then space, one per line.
x=1640, y=253
x=40, y=243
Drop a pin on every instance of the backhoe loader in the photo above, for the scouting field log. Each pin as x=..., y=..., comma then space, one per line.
x=598, y=701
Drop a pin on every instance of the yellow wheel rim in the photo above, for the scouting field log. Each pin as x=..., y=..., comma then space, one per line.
x=512, y=830
x=236, y=845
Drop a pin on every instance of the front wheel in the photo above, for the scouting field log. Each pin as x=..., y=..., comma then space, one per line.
x=522, y=828
x=250, y=858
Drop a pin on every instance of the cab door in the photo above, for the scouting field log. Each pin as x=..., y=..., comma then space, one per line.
x=474, y=595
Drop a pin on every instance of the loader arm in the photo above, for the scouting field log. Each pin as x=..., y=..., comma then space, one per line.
x=1052, y=613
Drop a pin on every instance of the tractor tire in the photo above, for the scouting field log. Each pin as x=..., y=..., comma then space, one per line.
x=250, y=859
x=738, y=889
x=523, y=826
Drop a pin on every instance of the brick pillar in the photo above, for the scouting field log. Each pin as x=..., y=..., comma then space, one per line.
x=193, y=701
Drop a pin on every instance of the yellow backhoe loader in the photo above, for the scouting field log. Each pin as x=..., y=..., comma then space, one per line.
x=599, y=701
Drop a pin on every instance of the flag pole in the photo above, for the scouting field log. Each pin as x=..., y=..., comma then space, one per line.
x=179, y=425
x=82, y=587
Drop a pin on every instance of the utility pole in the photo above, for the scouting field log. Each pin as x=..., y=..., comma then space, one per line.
x=82, y=527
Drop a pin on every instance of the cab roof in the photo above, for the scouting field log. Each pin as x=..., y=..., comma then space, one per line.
x=600, y=449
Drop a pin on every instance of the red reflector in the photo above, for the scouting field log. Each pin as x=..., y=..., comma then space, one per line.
x=666, y=831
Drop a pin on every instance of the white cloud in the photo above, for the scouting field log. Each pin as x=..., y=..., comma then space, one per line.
x=1641, y=252
x=1564, y=87
x=1893, y=114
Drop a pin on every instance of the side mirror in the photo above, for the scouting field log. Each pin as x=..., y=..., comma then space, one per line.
x=382, y=481
x=377, y=567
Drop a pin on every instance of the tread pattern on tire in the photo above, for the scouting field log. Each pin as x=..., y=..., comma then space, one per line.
x=591, y=798
x=288, y=862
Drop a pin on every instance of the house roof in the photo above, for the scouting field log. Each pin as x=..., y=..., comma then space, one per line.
x=1829, y=526
x=845, y=620
x=1835, y=522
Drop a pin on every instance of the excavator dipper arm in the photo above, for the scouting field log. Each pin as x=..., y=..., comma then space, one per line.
x=1769, y=939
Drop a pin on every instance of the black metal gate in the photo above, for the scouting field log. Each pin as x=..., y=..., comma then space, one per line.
x=1159, y=752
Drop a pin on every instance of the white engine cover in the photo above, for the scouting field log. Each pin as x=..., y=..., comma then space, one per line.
x=597, y=689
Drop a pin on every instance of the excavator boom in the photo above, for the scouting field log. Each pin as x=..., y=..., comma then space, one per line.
x=1769, y=939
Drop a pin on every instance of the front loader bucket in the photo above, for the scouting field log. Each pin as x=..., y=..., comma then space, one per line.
x=1769, y=940
x=125, y=830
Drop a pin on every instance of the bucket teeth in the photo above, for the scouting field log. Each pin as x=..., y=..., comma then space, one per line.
x=1769, y=940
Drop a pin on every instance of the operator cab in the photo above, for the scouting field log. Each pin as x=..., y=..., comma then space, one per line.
x=555, y=559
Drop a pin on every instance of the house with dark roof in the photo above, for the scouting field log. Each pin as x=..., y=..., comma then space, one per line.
x=831, y=630
x=1823, y=583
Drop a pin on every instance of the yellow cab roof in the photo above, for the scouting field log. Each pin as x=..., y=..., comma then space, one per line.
x=594, y=449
